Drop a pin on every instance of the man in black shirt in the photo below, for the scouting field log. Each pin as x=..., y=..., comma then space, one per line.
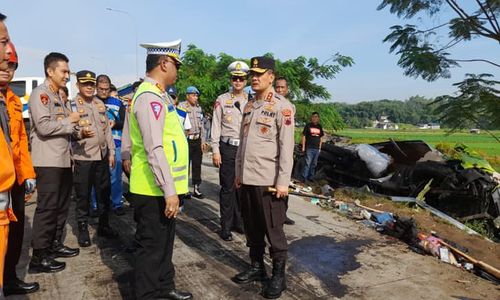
x=311, y=145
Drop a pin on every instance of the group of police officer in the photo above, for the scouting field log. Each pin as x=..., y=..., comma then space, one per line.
x=252, y=139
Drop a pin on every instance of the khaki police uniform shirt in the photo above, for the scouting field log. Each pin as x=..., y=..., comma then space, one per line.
x=126, y=143
x=227, y=116
x=195, y=114
x=93, y=116
x=265, y=154
x=151, y=124
x=50, y=128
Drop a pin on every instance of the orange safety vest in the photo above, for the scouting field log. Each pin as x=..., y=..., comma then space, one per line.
x=19, y=145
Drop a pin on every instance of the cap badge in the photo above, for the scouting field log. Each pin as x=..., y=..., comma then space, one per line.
x=255, y=63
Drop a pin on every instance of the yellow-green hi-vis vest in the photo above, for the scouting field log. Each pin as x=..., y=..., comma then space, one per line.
x=142, y=180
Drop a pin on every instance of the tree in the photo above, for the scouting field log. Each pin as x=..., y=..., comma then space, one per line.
x=478, y=102
x=209, y=74
x=421, y=51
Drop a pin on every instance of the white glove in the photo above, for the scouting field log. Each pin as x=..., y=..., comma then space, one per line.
x=30, y=185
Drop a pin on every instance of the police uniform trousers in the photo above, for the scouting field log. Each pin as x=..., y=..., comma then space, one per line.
x=54, y=189
x=195, y=157
x=16, y=233
x=154, y=239
x=88, y=174
x=263, y=216
x=230, y=211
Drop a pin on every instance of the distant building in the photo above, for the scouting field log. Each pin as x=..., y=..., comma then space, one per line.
x=429, y=126
x=475, y=131
x=384, y=123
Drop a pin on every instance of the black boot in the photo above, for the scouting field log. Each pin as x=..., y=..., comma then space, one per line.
x=277, y=284
x=256, y=272
x=103, y=229
x=59, y=250
x=43, y=262
x=19, y=287
x=289, y=221
x=83, y=234
x=197, y=193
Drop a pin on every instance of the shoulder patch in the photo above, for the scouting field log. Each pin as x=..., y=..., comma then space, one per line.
x=216, y=104
x=156, y=107
x=44, y=98
x=286, y=112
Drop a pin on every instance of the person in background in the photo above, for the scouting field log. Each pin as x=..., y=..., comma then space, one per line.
x=64, y=94
x=116, y=115
x=195, y=136
x=25, y=179
x=225, y=139
x=113, y=92
x=311, y=145
x=281, y=87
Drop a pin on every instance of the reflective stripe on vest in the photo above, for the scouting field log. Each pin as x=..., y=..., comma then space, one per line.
x=175, y=146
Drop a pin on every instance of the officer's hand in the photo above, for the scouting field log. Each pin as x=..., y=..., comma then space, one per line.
x=171, y=206
x=112, y=161
x=74, y=117
x=87, y=132
x=126, y=165
x=203, y=147
x=281, y=191
x=30, y=185
x=216, y=159
x=237, y=182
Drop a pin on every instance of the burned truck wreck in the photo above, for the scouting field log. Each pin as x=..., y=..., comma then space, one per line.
x=464, y=187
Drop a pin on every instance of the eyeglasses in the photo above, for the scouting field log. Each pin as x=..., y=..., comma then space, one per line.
x=238, y=78
x=12, y=66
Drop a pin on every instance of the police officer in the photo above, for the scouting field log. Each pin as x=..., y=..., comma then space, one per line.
x=195, y=136
x=52, y=126
x=25, y=179
x=159, y=173
x=93, y=157
x=265, y=160
x=225, y=139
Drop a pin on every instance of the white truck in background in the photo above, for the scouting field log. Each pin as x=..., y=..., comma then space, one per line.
x=23, y=86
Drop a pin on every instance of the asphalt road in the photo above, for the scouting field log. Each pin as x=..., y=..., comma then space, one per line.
x=330, y=257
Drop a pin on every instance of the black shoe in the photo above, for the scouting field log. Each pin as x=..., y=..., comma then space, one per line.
x=42, y=262
x=178, y=295
x=83, y=234
x=256, y=272
x=106, y=231
x=19, y=287
x=197, y=193
x=277, y=284
x=119, y=211
x=59, y=250
x=226, y=236
x=289, y=221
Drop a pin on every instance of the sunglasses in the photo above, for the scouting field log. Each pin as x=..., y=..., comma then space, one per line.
x=175, y=63
x=238, y=78
x=12, y=66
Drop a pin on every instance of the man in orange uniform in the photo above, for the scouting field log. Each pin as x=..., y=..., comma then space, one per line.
x=7, y=172
x=25, y=179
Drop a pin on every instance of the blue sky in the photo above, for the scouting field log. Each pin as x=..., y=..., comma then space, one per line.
x=103, y=41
